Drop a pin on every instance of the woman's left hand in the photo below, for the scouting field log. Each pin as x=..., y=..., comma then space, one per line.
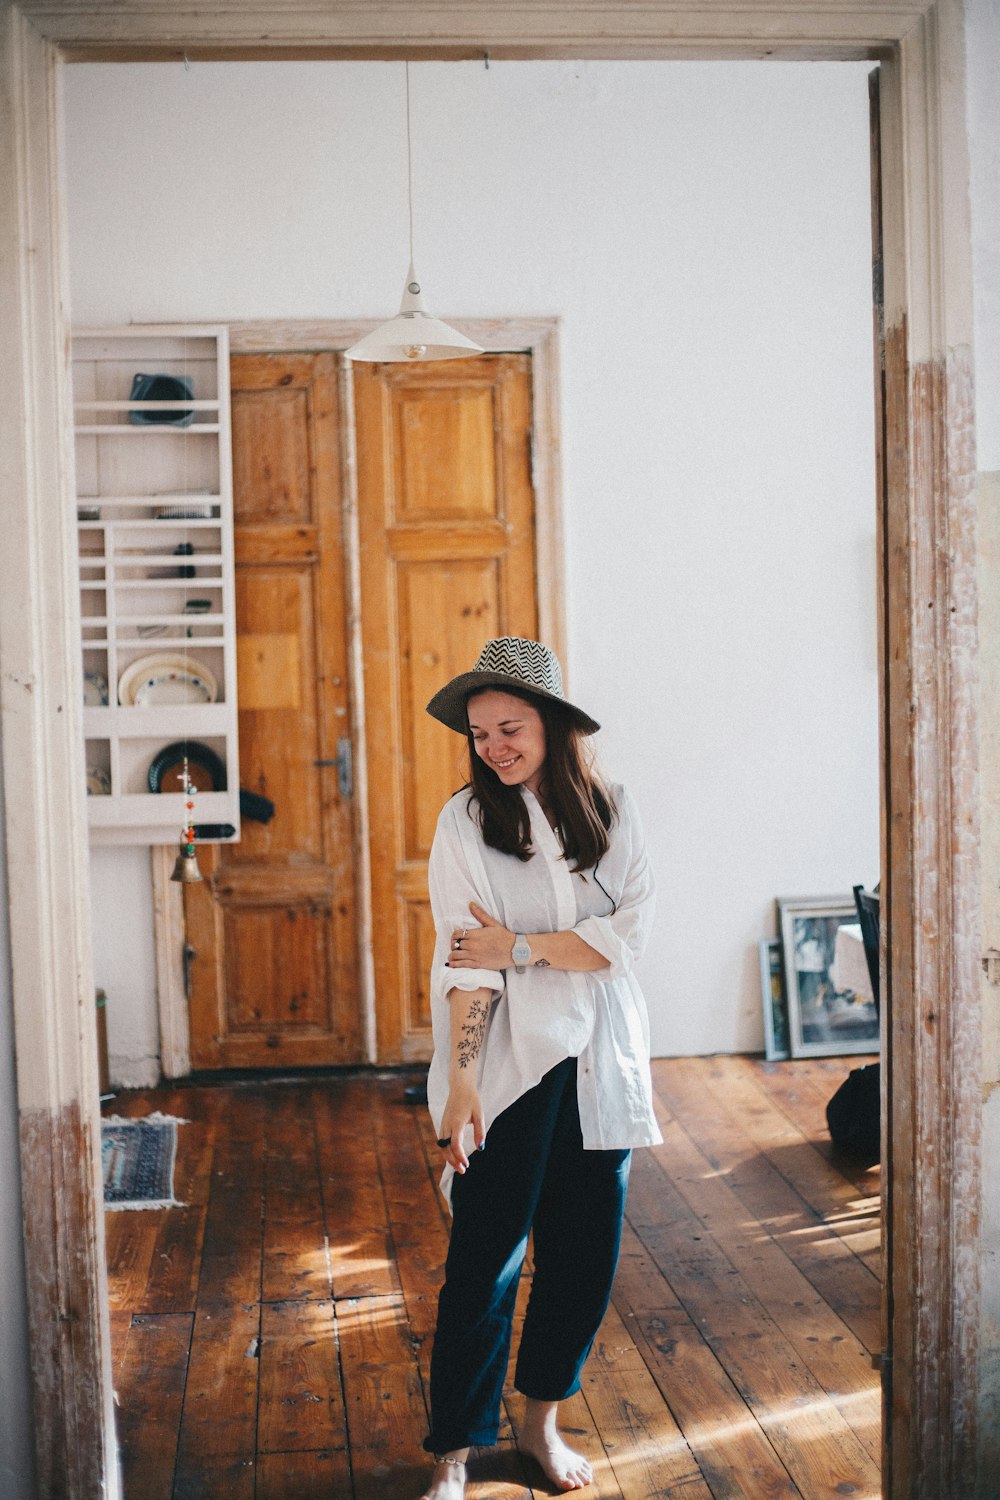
x=487, y=946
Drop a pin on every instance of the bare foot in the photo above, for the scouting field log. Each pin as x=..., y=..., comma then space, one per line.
x=448, y=1482
x=567, y=1469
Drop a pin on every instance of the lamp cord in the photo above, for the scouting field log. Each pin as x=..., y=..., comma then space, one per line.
x=409, y=161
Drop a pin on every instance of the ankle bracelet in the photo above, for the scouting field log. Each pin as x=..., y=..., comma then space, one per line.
x=457, y=1463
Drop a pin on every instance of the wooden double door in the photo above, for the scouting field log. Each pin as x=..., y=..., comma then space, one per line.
x=346, y=625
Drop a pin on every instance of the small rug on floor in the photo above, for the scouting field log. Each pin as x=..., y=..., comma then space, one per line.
x=138, y=1161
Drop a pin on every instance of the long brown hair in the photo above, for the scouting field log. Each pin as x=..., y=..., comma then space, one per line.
x=571, y=788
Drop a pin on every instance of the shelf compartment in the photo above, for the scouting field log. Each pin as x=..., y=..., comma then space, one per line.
x=124, y=488
x=136, y=756
x=97, y=759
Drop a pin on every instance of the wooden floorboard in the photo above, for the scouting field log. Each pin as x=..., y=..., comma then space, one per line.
x=271, y=1337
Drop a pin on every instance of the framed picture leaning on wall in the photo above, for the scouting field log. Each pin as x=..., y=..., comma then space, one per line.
x=772, y=999
x=822, y=1020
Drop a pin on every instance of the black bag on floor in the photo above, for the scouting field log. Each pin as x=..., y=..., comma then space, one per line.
x=854, y=1115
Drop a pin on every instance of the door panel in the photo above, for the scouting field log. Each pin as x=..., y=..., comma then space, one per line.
x=449, y=423
x=273, y=927
x=271, y=456
x=446, y=517
x=283, y=689
x=464, y=598
x=276, y=969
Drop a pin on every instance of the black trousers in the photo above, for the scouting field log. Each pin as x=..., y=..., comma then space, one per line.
x=532, y=1175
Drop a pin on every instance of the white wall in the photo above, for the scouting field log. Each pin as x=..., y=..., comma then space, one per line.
x=125, y=962
x=983, y=49
x=702, y=230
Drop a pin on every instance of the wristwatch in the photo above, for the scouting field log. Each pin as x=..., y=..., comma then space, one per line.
x=521, y=952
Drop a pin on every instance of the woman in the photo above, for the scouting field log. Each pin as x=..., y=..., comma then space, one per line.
x=542, y=897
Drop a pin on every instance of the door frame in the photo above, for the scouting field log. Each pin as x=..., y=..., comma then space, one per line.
x=537, y=337
x=930, y=754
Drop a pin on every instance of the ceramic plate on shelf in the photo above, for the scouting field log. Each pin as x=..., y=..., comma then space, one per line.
x=95, y=690
x=98, y=782
x=170, y=686
x=167, y=677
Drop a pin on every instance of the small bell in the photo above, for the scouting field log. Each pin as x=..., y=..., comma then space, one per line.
x=186, y=864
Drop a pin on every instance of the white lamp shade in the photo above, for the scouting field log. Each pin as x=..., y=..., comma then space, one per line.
x=412, y=335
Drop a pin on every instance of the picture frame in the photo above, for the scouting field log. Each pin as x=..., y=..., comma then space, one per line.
x=822, y=1021
x=773, y=1002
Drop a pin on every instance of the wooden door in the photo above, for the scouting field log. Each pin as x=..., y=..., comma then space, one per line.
x=447, y=533
x=273, y=927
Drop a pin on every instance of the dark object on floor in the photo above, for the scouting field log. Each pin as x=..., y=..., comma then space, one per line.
x=255, y=807
x=416, y=1093
x=854, y=1115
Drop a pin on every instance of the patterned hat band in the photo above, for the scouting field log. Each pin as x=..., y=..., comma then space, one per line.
x=513, y=662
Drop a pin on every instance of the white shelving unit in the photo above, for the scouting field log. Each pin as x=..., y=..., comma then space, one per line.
x=155, y=510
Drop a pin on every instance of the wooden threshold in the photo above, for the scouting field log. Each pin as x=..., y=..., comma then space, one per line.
x=272, y=1337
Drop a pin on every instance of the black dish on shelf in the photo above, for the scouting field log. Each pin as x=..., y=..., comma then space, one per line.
x=161, y=388
x=206, y=770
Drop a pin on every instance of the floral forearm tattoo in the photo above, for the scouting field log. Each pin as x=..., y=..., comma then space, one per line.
x=473, y=1032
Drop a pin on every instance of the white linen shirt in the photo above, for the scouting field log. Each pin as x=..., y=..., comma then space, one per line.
x=545, y=1015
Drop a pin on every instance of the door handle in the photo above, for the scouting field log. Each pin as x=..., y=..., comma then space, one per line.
x=188, y=955
x=345, y=767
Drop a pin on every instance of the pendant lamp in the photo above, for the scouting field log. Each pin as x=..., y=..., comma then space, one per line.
x=413, y=334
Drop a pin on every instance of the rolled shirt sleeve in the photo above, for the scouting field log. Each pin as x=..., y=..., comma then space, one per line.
x=621, y=936
x=453, y=885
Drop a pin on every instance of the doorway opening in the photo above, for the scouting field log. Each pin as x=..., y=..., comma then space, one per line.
x=930, y=766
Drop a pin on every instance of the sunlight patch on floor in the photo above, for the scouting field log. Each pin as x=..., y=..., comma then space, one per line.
x=348, y=1257
x=853, y=1408
x=369, y=1312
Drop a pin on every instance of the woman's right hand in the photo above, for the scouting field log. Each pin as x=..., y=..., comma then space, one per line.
x=463, y=1108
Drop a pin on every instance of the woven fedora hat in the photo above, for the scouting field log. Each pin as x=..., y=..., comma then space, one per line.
x=508, y=662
